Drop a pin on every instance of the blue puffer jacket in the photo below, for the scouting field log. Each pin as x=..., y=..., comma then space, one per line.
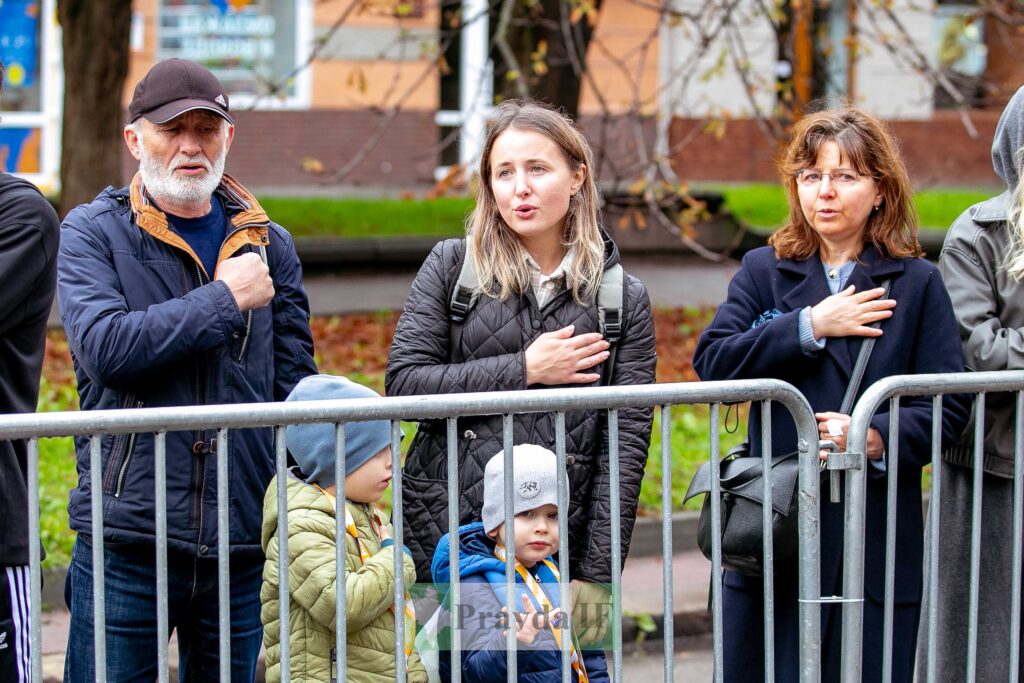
x=148, y=328
x=482, y=597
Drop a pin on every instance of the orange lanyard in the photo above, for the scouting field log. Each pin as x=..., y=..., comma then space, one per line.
x=364, y=556
x=545, y=605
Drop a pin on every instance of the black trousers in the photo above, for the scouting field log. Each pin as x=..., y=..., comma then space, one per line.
x=15, y=665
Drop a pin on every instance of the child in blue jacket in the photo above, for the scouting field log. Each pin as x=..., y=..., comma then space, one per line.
x=481, y=608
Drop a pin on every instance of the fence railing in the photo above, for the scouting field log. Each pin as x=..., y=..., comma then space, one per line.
x=892, y=389
x=223, y=418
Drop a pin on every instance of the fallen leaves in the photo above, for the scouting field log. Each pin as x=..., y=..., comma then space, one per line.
x=357, y=345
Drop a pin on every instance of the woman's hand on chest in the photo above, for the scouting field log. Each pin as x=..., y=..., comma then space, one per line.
x=850, y=313
x=559, y=357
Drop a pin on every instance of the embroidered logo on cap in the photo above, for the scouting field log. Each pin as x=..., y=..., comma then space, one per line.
x=529, y=489
x=219, y=99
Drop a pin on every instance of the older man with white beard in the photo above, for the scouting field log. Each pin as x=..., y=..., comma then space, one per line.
x=177, y=290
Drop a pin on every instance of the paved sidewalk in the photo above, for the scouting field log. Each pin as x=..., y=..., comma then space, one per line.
x=671, y=281
x=641, y=594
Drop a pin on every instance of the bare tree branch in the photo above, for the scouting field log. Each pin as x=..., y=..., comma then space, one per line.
x=913, y=56
x=501, y=42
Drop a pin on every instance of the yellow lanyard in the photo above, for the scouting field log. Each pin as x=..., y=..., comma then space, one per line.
x=364, y=556
x=542, y=599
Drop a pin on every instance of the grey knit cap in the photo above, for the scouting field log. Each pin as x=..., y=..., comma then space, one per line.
x=535, y=483
x=312, y=445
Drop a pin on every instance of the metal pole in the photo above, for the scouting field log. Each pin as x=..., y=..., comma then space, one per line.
x=767, y=513
x=510, y=553
x=35, y=562
x=935, y=523
x=717, y=626
x=98, y=567
x=666, y=543
x=565, y=599
x=975, y=587
x=616, y=538
x=853, y=565
x=399, y=554
x=809, y=522
x=283, y=592
x=453, y=550
x=163, y=633
x=1018, y=533
x=340, y=541
x=223, y=557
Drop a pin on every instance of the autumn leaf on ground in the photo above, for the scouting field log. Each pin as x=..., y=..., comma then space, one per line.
x=311, y=165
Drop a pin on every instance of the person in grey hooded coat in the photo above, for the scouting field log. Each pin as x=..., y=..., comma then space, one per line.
x=982, y=263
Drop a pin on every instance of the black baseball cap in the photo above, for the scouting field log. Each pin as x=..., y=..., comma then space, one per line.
x=175, y=86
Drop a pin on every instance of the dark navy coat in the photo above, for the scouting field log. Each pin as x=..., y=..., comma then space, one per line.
x=147, y=328
x=483, y=645
x=921, y=337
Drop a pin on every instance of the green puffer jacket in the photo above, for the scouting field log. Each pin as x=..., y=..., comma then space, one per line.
x=369, y=592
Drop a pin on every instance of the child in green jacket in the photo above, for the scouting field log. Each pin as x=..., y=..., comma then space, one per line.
x=369, y=551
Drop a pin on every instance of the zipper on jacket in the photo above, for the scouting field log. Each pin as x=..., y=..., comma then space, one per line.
x=199, y=436
x=116, y=463
x=245, y=339
x=127, y=457
x=248, y=317
x=198, y=462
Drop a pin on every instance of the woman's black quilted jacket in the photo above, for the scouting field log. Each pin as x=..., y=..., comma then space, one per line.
x=490, y=357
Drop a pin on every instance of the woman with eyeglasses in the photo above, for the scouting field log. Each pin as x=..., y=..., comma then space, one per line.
x=799, y=310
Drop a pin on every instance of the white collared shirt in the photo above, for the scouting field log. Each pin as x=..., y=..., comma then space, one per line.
x=546, y=286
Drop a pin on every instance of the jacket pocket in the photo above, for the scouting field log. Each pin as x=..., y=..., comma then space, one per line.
x=120, y=455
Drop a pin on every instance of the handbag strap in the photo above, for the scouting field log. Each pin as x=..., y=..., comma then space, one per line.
x=862, y=363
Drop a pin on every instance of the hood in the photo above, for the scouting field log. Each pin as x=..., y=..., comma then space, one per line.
x=299, y=495
x=1008, y=140
x=476, y=554
x=611, y=250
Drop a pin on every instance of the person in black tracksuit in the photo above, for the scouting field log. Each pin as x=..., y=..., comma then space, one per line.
x=29, y=231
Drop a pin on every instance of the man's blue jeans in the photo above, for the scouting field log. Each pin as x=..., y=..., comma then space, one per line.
x=131, y=628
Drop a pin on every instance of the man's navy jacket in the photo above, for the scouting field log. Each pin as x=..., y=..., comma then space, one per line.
x=147, y=327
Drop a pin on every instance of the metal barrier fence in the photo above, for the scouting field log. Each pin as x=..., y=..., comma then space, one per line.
x=223, y=418
x=892, y=389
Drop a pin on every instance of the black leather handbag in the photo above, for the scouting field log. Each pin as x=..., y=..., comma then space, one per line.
x=742, y=496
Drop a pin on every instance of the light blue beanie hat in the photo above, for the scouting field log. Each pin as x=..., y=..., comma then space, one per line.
x=312, y=445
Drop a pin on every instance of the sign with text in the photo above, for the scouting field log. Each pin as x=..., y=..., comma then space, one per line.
x=248, y=44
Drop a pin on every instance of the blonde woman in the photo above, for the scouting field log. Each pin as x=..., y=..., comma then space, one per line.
x=982, y=264
x=539, y=255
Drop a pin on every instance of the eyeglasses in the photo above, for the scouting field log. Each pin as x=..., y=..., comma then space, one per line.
x=840, y=177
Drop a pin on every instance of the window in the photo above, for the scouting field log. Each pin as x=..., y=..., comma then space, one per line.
x=254, y=47
x=29, y=134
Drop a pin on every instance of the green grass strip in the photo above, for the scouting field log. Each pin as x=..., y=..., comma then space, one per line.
x=764, y=205
x=365, y=218
x=761, y=205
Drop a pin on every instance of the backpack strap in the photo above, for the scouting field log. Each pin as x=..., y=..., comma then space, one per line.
x=611, y=304
x=611, y=297
x=465, y=291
